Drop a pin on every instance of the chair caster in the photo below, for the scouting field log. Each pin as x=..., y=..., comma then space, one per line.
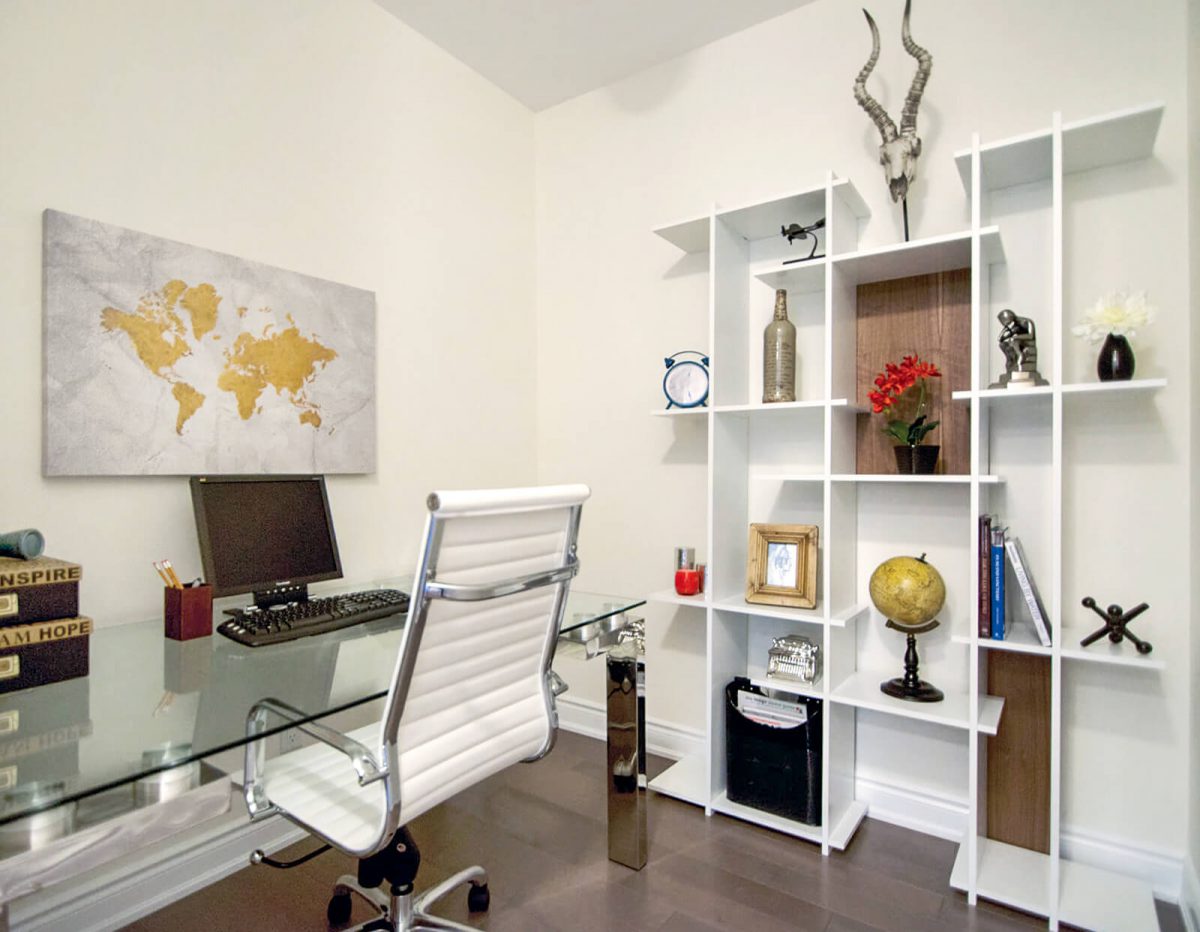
x=478, y=898
x=338, y=910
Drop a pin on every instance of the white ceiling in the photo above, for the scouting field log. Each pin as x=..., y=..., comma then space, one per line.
x=543, y=52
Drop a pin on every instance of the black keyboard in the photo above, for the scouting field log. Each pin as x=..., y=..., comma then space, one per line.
x=258, y=626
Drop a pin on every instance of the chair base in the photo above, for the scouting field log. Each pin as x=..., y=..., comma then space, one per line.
x=404, y=912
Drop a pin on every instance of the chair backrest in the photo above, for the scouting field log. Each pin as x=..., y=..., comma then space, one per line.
x=471, y=691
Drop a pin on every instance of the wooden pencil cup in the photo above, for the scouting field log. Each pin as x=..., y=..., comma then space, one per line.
x=187, y=613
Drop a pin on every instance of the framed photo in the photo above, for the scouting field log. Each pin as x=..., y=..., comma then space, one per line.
x=781, y=565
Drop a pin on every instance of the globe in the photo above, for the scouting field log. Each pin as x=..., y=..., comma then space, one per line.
x=908, y=591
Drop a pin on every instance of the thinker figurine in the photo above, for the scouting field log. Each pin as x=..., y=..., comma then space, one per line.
x=1018, y=342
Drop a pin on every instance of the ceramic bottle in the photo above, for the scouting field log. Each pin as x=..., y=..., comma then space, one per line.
x=779, y=354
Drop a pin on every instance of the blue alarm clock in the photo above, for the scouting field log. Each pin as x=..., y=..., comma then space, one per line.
x=686, y=381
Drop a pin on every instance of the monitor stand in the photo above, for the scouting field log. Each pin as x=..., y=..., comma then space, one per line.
x=280, y=595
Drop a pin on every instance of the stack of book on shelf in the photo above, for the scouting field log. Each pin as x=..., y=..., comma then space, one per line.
x=995, y=543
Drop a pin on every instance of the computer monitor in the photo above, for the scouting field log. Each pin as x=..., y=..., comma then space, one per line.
x=269, y=535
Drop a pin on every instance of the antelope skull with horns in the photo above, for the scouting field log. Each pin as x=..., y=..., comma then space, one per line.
x=900, y=150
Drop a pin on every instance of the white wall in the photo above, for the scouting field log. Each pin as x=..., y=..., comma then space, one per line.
x=1191, y=888
x=768, y=111
x=322, y=136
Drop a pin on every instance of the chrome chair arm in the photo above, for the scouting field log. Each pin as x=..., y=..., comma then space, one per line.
x=364, y=763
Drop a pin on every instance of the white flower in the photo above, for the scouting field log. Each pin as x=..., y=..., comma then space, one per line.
x=1117, y=313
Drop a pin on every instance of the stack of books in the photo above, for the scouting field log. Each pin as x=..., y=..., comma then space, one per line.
x=995, y=546
x=43, y=638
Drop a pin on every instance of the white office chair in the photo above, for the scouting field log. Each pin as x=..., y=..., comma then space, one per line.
x=471, y=694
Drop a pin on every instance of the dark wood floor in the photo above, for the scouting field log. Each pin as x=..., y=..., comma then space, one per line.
x=540, y=831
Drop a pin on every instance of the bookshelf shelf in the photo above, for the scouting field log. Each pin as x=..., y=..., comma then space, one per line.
x=671, y=597
x=800, y=465
x=759, y=407
x=1074, y=388
x=917, y=480
x=845, y=823
x=690, y=236
x=722, y=804
x=861, y=690
x=800, y=278
x=1091, y=898
x=1133, y=385
x=1104, y=651
x=686, y=779
x=918, y=257
x=865, y=477
x=1007, y=874
x=738, y=605
x=1019, y=639
x=697, y=413
x=1005, y=395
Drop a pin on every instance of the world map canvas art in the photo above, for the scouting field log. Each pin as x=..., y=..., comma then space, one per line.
x=168, y=359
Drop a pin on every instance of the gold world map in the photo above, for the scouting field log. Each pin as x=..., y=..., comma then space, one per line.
x=285, y=360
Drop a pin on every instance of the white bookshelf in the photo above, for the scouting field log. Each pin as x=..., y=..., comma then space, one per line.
x=795, y=464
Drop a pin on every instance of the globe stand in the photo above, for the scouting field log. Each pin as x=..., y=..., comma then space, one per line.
x=910, y=686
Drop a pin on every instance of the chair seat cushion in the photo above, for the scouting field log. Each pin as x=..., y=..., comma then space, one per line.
x=318, y=788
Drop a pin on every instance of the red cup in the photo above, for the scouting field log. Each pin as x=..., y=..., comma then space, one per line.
x=687, y=582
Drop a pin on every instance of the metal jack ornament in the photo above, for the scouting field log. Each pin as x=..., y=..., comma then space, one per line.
x=900, y=149
x=1116, y=621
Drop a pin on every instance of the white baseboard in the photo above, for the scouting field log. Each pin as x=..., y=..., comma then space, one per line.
x=927, y=813
x=110, y=898
x=1189, y=898
x=1162, y=870
x=584, y=717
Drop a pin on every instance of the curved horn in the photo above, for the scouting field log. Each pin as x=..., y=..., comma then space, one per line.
x=887, y=129
x=908, y=116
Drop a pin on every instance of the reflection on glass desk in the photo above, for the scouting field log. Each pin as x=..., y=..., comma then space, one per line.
x=153, y=708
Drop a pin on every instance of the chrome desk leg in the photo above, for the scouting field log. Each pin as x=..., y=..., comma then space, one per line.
x=626, y=802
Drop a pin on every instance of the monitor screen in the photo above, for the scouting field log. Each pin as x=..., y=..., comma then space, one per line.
x=259, y=533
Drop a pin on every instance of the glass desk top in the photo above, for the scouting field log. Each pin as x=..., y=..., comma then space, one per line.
x=151, y=704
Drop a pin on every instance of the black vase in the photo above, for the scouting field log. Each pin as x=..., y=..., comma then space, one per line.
x=918, y=460
x=1116, y=360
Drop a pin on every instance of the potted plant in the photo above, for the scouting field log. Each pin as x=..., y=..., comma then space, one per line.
x=1113, y=319
x=902, y=395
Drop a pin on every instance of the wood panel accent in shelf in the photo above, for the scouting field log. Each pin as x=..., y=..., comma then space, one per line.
x=1018, y=768
x=929, y=315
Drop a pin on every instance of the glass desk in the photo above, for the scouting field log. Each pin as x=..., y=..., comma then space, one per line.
x=152, y=709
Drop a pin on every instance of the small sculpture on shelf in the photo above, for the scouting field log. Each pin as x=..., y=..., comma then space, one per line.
x=1116, y=620
x=1018, y=342
x=909, y=592
x=899, y=151
x=794, y=657
x=795, y=231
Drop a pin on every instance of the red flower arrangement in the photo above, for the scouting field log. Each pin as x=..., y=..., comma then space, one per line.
x=892, y=385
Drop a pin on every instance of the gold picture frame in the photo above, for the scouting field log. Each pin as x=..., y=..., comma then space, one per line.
x=781, y=565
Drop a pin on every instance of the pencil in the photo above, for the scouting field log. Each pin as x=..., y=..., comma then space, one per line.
x=171, y=572
x=162, y=575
